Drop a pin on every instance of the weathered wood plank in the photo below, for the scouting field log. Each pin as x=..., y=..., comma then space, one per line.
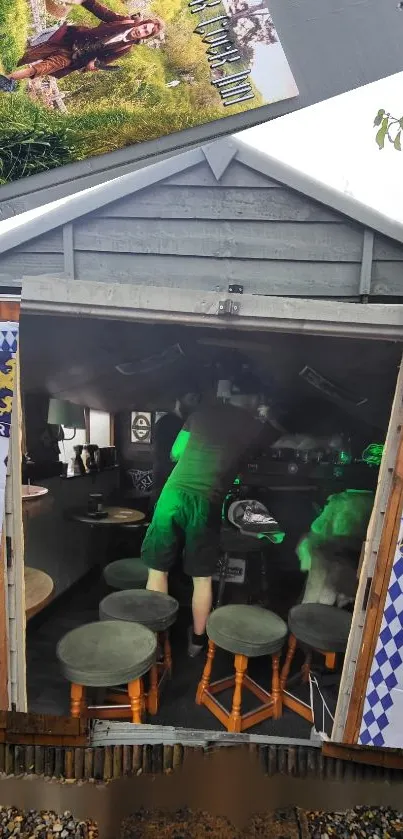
x=306, y=279
x=387, y=278
x=15, y=265
x=387, y=249
x=51, y=242
x=236, y=239
x=236, y=175
x=225, y=204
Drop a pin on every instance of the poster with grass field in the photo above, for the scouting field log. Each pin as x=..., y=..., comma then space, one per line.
x=84, y=78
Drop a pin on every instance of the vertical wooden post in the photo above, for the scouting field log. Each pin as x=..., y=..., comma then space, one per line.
x=112, y=430
x=87, y=425
x=369, y=559
x=376, y=602
x=9, y=311
x=4, y=700
x=15, y=535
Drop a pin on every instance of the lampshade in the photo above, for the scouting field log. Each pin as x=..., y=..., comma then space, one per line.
x=66, y=413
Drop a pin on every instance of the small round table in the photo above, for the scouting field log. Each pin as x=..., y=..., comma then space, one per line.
x=105, y=527
x=38, y=591
x=116, y=516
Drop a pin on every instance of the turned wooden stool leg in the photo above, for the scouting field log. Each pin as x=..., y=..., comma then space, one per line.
x=152, y=700
x=167, y=654
x=330, y=660
x=205, y=679
x=275, y=687
x=306, y=667
x=84, y=702
x=134, y=690
x=76, y=700
x=143, y=698
x=292, y=646
x=234, y=721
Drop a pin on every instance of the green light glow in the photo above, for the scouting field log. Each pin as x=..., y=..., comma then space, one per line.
x=344, y=457
x=179, y=445
x=372, y=455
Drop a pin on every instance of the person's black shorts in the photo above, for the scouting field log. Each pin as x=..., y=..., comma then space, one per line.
x=183, y=519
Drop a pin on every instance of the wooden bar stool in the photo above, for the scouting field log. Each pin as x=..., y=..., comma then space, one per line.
x=157, y=612
x=316, y=628
x=247, y=632
x=127, y=573
x=101, y=655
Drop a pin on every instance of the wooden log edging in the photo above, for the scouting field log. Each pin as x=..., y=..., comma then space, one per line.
x=106, y=763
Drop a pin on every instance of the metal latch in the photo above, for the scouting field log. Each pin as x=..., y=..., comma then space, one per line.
x=228, y=307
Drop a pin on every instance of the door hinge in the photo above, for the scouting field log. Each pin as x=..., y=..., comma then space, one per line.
x=228, y=307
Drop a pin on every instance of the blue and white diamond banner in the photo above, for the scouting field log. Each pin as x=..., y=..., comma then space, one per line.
x=381, y=723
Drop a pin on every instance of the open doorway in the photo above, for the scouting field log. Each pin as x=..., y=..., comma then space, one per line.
x=332, y=398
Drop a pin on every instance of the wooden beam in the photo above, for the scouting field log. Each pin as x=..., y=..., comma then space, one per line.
x=366, y=263
x=9, y=311
x=369, y=559
x=68, y=250
x=112, y=429
x=87, y=425
x=377, y=599
x=387, y=758
x=4, y=701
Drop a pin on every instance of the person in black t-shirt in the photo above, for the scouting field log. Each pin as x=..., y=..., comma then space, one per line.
x=165, y=433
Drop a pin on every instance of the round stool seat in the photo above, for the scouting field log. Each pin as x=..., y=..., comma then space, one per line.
x=247, y=630
x=106, y=654
x=324, y=628
x=150, y=608
x=126, y=573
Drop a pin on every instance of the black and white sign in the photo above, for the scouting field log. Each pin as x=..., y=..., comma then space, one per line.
x=141, y=427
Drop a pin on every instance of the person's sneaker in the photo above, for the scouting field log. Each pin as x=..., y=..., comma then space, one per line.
x=193, y=649
x=7, y=85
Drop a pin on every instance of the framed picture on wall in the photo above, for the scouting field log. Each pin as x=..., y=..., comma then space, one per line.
x=140, y=427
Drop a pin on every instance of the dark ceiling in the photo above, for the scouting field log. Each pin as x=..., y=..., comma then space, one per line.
x=75, y=358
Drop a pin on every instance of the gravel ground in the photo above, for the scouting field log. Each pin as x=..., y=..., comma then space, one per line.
x=360, y=823
x=188, y=824
x=43, y=824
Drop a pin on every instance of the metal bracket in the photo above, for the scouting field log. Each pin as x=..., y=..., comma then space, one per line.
x=228, y=307
x=235, y=289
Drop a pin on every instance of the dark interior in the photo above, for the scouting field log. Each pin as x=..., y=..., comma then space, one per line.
x=121, y=367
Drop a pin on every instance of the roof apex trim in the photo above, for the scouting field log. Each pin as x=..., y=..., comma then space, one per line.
x=218, y=155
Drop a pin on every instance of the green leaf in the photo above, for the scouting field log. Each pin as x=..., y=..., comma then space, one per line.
x=397, y=144
x=379, y=117
x=381, y=134
x=401, y=122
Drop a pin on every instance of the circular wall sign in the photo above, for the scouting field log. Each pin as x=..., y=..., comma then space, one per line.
x=141, y=427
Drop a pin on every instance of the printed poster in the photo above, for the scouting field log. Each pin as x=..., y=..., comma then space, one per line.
x=83, y=78
x=8, y=350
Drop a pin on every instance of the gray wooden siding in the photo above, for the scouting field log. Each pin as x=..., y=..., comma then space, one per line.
x=191, y=231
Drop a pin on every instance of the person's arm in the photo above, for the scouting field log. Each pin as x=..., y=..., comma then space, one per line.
x=179, y=445
x=102, y=12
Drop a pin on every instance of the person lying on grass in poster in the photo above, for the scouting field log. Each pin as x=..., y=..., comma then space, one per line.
x=70, y=47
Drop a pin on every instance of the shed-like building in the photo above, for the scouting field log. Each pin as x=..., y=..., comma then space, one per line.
x=223, y=236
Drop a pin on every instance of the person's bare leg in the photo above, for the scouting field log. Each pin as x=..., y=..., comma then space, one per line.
x=201, y=608
x=17, y=75
x=157, y=581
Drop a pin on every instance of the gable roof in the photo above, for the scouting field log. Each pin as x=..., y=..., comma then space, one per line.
x=218, y=156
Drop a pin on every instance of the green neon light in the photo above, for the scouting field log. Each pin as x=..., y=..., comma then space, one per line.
x=275, y=538
x=372, y=455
